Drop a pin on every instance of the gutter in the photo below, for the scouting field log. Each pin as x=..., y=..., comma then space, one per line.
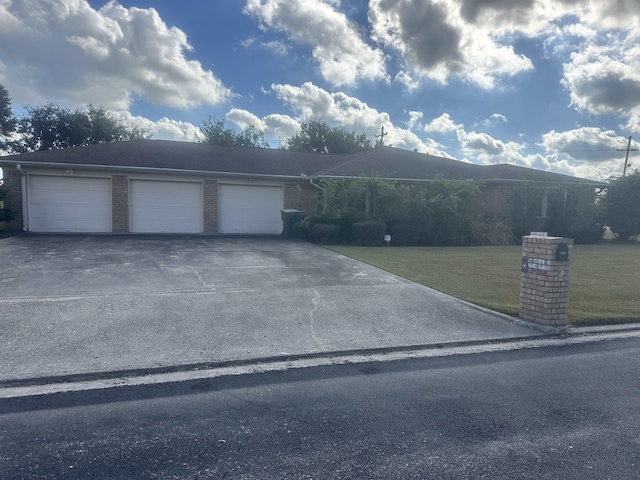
x=25, y=212
x=149, y=169
x=590, y=183
x=314, y=184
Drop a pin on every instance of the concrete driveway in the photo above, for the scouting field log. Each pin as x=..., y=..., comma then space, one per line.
x=84, y=304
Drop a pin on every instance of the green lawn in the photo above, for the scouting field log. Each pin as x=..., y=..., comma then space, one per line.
x=604, y=288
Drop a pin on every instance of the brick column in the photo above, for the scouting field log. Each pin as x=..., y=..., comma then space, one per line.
x=210, y=205
x=544, y=282
x=13, y=186
x=120, y=204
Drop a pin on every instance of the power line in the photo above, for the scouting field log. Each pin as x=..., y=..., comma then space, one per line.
x=626, y=157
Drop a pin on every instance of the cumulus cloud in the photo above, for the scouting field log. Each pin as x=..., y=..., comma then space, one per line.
x=311, y=102
x=436, y=41
x=584, y=152
x=163, y=129
x=442, y=124
x=337, y=45
x=586, y=144
x=487, y=148
x=606, y=80
x=274, y=126
x=244, y=119
x=415, y=119
x=66, y=50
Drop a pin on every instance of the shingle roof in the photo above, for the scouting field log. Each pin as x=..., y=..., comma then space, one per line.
x=391, y=162
x=386, y=162
x=189, y=156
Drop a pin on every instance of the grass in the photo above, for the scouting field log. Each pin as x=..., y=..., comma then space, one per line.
x=604, y=288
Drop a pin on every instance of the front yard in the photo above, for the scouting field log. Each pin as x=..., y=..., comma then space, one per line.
x=604, y=288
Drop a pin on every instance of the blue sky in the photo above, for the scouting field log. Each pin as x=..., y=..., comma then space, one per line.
x=548, y=84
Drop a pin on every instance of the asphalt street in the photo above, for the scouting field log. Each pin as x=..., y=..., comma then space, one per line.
x=557, y=412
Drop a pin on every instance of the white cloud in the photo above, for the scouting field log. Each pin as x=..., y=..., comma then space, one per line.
x=277, y=48
x=64, y=50
x=437, y=42
x=585, y=152
x=163, y=129
x=313, y=103
x=585, y=144
x=274, y=126
x=606, y=80
x=280, y=126
x=442, y=124
x=497, y=117
x=415, y=120
x=337, y=44
x=486, y=148
x=244, y=119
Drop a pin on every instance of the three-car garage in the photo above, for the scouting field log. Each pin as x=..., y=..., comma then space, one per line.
x=75, y=203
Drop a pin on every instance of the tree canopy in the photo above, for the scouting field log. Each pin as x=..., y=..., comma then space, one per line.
x=8, y=122
x=622, y=206
x=217, y=133
x=318, y=137
x=53, y=127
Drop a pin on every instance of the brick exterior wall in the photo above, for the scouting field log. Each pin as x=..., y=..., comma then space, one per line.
x=210, y=205
x=544, y=282
x=495, y=199
x=120, y=204
x=303, y=197
x=12, y=182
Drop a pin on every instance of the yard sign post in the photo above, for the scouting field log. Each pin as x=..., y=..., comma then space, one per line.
x=544, y=282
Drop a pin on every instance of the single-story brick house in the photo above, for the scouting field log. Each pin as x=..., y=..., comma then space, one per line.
x=153, y=186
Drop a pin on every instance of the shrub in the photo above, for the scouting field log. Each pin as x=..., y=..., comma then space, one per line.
x=491, y=231
x=405, y=234
x=369, y=233
x=326, y=233
x=304, y=228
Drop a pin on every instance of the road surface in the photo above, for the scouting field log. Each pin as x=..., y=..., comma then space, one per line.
x=570, y=412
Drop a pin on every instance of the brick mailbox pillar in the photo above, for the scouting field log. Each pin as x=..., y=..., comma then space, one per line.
x=544, y=282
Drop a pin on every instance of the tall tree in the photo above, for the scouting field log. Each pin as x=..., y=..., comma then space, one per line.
x=217, y=133
x=622, y=206
x=8, y=122
x=53, y=127
x=318, y=137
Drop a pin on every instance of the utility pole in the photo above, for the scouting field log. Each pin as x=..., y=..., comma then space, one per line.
x=626, y=158
x=381, y=137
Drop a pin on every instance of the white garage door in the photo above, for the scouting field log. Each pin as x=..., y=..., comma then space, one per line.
x=250, y=209
x=165, y=207
x=69, y=204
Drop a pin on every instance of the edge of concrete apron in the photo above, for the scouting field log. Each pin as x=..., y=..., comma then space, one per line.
x=180, y=374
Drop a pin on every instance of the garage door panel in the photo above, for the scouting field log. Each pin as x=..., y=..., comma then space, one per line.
x=165, y=207
x=253, y=209
x=69, y=204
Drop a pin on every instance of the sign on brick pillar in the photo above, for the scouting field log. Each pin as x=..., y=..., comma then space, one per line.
x=544, y=282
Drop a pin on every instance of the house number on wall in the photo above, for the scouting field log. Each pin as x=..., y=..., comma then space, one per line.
x=534, y=265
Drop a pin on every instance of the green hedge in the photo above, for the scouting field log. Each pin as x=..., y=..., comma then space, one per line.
x=369, y=233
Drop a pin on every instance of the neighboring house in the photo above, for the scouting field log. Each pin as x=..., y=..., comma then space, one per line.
x=156, y=186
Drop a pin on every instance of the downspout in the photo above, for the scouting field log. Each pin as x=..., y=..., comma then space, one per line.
x=25, y=212
x=317, y=186
x=324, y=192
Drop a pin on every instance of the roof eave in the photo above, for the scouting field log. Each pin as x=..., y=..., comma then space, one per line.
x=150, y=169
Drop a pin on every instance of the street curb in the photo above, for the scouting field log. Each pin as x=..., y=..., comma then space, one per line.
x=141, y=372
x=620, y=327
x=548, y=333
